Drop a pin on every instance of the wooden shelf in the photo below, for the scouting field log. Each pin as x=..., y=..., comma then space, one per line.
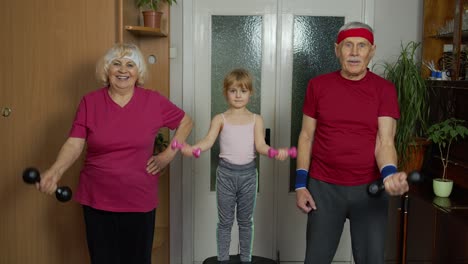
x=146, y=31
x=462, y=84
x=464, y=35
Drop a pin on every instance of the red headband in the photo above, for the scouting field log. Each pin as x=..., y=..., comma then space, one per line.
x=356, y=32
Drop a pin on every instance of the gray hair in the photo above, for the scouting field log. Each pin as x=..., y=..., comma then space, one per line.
x=355, y=24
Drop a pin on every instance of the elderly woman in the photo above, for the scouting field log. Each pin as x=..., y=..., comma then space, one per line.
x=119, y=181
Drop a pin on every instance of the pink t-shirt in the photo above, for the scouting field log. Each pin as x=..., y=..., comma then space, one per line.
x=347, y=112
x=119, y=143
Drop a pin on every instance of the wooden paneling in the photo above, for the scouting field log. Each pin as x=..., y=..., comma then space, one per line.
x=48, y=50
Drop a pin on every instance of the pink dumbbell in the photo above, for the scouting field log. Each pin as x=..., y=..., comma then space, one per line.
x=292, y=152
x=176, y=145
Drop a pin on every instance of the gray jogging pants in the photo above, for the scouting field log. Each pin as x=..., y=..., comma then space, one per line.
x=235, y=185
x=367, y=217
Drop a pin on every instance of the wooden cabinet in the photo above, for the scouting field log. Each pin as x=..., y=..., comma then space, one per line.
x=444, y=26
x=154, y=45
x=437, y=227
x=448, y=99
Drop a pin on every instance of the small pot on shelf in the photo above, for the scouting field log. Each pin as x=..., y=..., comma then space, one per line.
x=442, y=187
x=152, y=18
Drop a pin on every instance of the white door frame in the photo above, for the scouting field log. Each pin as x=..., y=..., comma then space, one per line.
x=182, y=92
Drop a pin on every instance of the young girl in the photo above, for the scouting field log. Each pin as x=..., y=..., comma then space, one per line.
x=241, y=133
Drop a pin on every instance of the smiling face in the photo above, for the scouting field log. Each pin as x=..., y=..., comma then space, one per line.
x=354, y=54
x=123, y=74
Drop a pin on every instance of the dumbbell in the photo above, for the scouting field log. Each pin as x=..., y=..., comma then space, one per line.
x=176, y=145
x=32, y=175
x=292, y=152
x=378, y=186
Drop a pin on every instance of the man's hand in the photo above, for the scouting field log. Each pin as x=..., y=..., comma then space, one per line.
x=396, y=184
x=304, y=200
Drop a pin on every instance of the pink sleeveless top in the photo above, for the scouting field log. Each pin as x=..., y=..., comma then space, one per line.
x=236, y=142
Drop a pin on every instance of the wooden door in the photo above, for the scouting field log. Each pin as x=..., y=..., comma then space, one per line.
x=48, y=53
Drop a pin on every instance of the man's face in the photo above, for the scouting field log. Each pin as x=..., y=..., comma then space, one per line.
x=354, y=54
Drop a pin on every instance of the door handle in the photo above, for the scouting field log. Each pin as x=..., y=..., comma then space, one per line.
x=267, y=136
x=6, y=111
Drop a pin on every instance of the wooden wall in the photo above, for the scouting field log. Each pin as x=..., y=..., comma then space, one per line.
x=49, y=50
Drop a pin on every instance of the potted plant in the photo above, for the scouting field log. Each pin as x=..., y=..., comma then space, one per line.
x=443, y=134
x=413, y=100
x=160, y=144
x=151, y=11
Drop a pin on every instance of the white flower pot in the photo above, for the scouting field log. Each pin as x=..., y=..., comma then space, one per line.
x=441, y=187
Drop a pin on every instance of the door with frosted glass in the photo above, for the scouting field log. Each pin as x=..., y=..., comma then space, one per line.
x=229, y=35
x=306, y=49
x=245, y=34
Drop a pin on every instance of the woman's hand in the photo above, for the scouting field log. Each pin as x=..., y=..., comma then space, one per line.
x=157, y=163
x=49, y=180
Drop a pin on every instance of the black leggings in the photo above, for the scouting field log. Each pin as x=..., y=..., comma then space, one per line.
x=119, y=238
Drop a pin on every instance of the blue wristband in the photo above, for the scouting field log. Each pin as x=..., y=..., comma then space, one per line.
x=388, y=170
x=301, y=178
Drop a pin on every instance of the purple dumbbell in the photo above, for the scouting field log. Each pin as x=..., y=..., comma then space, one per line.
x=176, y=145
x=292, y=152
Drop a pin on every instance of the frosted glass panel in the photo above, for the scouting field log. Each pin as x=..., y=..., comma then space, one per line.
x=236, y=43
x=313, y=54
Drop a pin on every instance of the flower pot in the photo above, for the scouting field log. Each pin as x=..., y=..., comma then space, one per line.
x=442, y=187
x=152, y=18
x=415, y=155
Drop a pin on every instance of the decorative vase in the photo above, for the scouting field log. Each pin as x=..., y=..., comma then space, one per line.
x=442, y=187
x=152, y=18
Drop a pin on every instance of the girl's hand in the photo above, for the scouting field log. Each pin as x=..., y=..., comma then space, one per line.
x=187, y=150
x=282, y=154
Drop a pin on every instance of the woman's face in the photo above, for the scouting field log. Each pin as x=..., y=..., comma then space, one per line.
x=123, y=73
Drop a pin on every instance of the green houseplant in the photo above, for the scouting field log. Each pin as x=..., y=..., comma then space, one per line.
x=405, y=74
x=160, y=144
x=151, y=11
x=443, y=134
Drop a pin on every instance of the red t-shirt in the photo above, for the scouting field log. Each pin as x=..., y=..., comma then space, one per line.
x=119, y=143
x=347, y=112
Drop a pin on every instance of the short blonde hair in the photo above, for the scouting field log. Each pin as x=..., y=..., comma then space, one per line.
x=121, y=50
x=238, y=77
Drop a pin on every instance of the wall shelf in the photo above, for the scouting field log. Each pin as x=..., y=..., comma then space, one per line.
x=464, y=35
x=146, y=31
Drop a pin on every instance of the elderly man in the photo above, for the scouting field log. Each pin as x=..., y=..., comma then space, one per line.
x=347, y=142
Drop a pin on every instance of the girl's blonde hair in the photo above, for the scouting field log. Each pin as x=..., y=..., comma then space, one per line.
x=238, y=77
x=121, y=50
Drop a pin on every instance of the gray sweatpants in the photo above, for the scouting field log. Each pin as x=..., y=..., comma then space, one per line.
x=235, y=185
x=367, y=217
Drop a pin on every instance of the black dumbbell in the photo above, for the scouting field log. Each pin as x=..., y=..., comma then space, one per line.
x=378, y=186
x=32, y=175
